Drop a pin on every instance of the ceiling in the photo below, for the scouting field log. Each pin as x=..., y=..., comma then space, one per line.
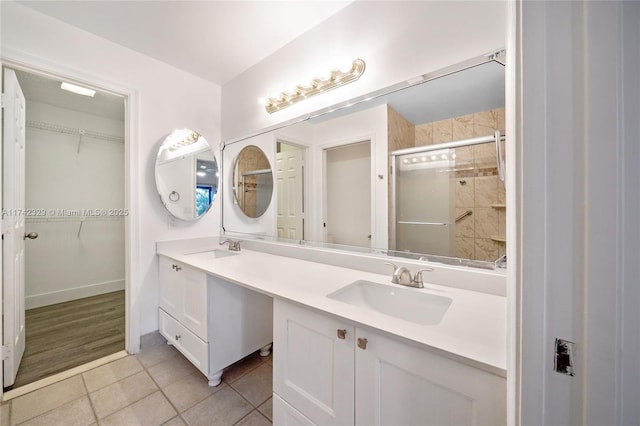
x=215, y=40
x=37, y=88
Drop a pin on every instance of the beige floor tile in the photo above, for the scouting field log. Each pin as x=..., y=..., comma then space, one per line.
x=189, y=391
x=267, y=408
x=118, y=395
x=76, y=412
x=176, y=421
x=152, y=339
x=171, y=370
x=257, y=385
x=46, y=399
x=242, y=367
x=111, y=373
x=150, y=411
x=156, y=354
x=254, y=419
x=222, y=408
x=5, y=409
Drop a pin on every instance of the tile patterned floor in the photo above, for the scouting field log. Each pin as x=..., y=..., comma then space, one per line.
x=158, y=386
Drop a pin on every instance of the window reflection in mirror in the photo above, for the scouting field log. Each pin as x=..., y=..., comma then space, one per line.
x=186, y=174
x=252, y=181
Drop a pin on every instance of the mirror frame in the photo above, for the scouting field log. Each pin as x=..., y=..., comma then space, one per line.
x=497, y=55
x=174, y=196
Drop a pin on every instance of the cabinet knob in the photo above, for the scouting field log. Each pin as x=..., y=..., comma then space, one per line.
x=178, y=337
x=342, y=334
x=362, y=343
x=176, y=267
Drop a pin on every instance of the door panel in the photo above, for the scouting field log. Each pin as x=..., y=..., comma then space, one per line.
x=14, y=224
x=289, y=178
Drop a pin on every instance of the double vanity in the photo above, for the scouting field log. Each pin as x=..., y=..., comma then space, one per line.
x=350, y=347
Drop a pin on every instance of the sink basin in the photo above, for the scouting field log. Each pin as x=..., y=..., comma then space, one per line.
x=211, y=254
x=408, y=304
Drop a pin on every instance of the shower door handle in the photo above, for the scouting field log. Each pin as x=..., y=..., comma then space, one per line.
x=30, y=235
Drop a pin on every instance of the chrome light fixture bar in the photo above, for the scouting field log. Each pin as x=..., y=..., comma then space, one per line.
x=315, y=87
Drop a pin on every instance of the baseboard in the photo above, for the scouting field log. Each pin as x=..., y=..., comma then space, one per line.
x=45, y=299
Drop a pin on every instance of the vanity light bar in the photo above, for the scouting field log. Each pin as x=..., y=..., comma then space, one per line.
x=315, y=87
x=184, y=138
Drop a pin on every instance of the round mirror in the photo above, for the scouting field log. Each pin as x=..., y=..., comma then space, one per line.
x=186, y=174
x=252, y=181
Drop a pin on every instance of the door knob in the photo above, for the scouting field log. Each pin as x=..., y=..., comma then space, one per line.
x=30, y=235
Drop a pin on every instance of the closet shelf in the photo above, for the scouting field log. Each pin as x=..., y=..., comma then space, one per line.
x=499, y=238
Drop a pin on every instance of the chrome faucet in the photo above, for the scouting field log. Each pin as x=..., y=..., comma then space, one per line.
x=233, y=245
x=402, y=275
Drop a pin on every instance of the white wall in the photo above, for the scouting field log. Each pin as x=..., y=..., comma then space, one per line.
x=348, y=198
x=578, y=108
x=165, y=98
x=397, y=40
x=64, y=173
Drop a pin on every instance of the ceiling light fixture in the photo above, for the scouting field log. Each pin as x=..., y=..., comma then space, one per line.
x=77, y=89
x=316, y=86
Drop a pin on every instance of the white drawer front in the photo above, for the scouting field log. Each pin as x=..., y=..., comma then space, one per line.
x=286, y=415
x=191, y=346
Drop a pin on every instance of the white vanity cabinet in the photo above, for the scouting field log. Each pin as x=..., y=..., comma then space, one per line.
x=214, y=323
x=322, y=379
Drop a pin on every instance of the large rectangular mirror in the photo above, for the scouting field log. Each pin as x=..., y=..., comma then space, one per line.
x=413, y=171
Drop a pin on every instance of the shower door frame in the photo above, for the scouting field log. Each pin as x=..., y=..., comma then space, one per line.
x=496, y=138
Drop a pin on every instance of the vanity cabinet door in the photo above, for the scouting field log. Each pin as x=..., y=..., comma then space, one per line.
x=170, y=288
x=400, y=384
x=193, y=310
x=313, y=368
x=183, y=295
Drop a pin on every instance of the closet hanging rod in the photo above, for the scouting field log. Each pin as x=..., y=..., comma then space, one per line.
x=447, y=145
x=73, y=131
x=43, y=219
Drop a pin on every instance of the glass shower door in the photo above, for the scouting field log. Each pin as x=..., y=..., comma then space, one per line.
x=425, y=202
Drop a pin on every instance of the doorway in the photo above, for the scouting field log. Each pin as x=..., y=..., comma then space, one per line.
x=73, y=301
x=348, y=194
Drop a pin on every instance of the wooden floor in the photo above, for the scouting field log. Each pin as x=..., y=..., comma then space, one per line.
x=69, y=334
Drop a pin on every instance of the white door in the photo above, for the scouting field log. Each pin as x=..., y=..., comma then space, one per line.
x=13, y=225
x=348, y=195
x=289, y=179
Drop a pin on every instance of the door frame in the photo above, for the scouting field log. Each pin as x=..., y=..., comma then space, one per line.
x=370, y=139
x=18, y=61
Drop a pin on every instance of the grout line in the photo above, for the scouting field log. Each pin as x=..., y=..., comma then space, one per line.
x=22, y=390
x=93, y=409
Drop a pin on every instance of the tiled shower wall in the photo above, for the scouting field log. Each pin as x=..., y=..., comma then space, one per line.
x=474, y=177
x=251, y=158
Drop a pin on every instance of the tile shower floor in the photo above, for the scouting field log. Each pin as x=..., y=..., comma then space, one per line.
x=158, y=386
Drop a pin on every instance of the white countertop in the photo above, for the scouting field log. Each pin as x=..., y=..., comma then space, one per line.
x=473, y=330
